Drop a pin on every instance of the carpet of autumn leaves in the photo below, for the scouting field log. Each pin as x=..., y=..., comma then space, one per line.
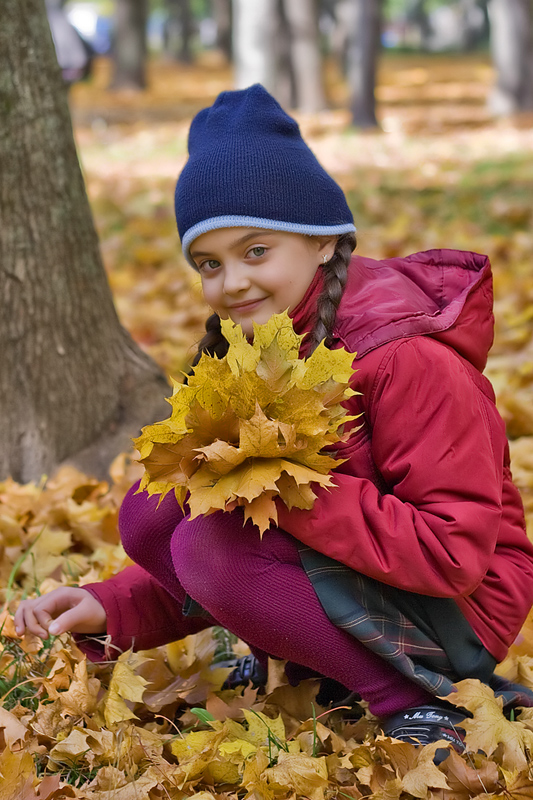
x=441, y=173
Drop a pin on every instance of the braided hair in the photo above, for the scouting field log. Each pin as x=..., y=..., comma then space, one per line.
x=335, y=273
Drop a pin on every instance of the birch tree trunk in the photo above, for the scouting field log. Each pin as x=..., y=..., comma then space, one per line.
x=73, y=385
x=511, y=23
x=363, y=51
x=129, y=45
x=253, y=26
x=302, y=18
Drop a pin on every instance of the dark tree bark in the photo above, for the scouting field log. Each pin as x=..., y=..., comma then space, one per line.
x=284, y=82
x=73, y=385
x=474, y=23
x=179, y=30
x=187, y=31
x=363, y=52
x=417, y=13
x=306, y=58
x=129, y=45
x=222, y=12
x=512, y=50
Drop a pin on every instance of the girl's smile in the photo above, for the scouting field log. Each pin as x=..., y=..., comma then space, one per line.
x=250, y=274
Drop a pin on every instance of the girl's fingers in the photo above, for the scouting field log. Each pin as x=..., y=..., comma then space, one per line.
x=64, y=609
x=35, y=615
x=32, y=624
x=42, y=616
x=71, y=620
x=18, y=620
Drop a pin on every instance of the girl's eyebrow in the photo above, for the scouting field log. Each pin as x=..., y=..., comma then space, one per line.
x=237, y=242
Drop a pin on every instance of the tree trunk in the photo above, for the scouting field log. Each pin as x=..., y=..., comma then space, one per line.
x=222, y=12
x=129, y=45
x=363, y=51
x=73, y=385
x=474, y=24
x=417, y=13
x=511, y=36
x=187, y=31
x=284, y=82
x=302, y=18
x=253, y=25
x=179, y=30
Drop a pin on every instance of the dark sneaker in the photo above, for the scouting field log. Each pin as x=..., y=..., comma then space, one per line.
x=426, y=724
x=246, y=670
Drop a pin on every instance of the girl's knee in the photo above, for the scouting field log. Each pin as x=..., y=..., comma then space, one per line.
x=144, y=527
x=200, y=554
x=220, y=561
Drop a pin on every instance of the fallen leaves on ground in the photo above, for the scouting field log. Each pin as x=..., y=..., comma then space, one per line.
x=131, y=728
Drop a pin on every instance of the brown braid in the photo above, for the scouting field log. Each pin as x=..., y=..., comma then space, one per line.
x=213, y=342
x=335, y=276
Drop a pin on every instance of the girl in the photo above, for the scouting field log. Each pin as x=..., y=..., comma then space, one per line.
x=415, y=570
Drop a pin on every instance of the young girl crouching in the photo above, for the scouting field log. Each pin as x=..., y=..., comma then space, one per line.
x=414, y=570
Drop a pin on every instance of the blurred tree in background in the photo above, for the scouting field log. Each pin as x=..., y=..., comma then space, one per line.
x=364, y=45
x=277, y=43
x=129, y=44
x=282, y=43
x=73, y=384
x=512, y=48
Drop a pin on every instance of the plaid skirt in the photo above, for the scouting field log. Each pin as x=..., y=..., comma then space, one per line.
x=427, y=639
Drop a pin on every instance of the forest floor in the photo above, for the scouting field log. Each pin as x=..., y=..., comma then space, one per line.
x=440, y=173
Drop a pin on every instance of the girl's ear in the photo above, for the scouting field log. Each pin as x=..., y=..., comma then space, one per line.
x=326, y=247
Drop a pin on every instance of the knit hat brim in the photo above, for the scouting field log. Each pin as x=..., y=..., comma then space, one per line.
x=233, y=221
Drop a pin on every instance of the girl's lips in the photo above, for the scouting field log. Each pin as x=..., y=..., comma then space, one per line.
x=249, y=306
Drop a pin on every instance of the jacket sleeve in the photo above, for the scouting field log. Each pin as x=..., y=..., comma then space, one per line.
x=141, y=614
x=436, y=441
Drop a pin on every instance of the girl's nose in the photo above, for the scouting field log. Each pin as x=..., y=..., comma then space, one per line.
x=235, y=278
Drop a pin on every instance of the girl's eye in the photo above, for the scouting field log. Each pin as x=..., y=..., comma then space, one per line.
x=258, y=251
x=209, y=265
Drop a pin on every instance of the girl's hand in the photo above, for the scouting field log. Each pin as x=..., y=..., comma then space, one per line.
x=64, y=609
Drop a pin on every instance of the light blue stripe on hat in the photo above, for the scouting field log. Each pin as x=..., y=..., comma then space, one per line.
x=232, y=221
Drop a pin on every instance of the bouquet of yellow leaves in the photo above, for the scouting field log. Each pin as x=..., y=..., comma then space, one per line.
x=251, y=426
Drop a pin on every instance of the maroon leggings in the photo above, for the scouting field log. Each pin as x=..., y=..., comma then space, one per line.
x=257, y=589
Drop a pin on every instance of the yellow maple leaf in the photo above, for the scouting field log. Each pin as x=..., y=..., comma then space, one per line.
x=251, y=426
x=254, y=777
x=46, y=554
x=306, y=776
x=17, y=775
x=82, y=695
x=90, y=746
x=488, y=727
x=425, y=774
x=125, y=685
x=237, y=751
x=261, y=728
x=14, y=732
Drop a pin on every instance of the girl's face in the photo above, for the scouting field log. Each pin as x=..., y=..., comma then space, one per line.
x=249, y=274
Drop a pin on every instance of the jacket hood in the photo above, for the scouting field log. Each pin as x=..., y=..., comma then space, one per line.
x=446, y=294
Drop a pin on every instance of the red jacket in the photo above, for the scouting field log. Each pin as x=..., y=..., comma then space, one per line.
x=425, y=500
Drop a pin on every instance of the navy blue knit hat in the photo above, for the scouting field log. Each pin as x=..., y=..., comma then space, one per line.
x=249, y=166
